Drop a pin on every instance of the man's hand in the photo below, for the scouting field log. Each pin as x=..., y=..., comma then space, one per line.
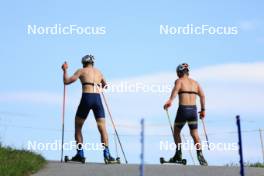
x=64, y=66
x=202, y=114
x=167, y=104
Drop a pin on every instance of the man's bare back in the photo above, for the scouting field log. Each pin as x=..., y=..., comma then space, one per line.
x=90, y=75
x=187, y=89
x=188, y=85
x=91, y=78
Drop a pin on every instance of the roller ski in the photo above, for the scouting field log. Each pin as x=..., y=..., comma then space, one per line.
x=201, y=158
x=112, y=160
x=172, y=161
x=77, y=158
x=108, y=159
x=177, y=159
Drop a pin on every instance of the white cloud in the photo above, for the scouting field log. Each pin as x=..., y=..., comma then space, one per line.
x=229, y=87
x=237, y=72
x=41, y=97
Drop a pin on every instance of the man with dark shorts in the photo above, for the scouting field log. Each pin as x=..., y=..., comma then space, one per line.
x=187, y=89
x=90, y=78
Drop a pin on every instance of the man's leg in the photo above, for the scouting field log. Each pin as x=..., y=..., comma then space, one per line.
x=196, y=139
x=177, y=135
x=104, y=138
x=102, y=130
x=179, y=123
x=78, y=135
x=177, y=140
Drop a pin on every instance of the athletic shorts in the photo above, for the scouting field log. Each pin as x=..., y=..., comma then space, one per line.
x=186, y=113
x=90, y=101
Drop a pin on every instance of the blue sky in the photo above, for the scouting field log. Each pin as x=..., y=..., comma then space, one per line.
x=132, y=49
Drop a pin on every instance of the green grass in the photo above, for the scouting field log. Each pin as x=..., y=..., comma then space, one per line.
x=258, y=164
x=247, y=164
x=19, y=162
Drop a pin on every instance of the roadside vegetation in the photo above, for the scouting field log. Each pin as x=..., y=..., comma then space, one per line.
x=247, y=164
x=19, y=162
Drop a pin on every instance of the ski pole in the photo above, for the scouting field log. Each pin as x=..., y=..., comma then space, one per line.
x=63, y=116
x=262, y=145
x=119, y=141
x=168, y=115
x=169, y=119
x=205, y=133
x=115, y=145
x=190, y=152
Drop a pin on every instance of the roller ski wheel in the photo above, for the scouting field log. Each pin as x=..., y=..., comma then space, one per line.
x=163, y=161
x=112, y=161
x=77, y=159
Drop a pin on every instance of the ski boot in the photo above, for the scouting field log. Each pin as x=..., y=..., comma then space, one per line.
x=201, y=158
x=108, y=159
x=76, y=158
x=176, y=159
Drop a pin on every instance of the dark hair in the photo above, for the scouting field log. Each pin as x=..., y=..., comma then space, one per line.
x=88, y=63
x=183, y=72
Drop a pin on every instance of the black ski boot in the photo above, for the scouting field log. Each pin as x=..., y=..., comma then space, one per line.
x=201, y=158
x=176, y=157
x=78, y=158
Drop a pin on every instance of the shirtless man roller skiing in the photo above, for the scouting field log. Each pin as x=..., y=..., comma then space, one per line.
x=90, y=78
x=187, y=89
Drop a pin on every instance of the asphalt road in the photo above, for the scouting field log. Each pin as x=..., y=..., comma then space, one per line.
x=96, y=169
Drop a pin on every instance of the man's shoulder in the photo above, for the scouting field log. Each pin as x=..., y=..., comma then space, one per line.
x=178, y=81
x=195, y=83
x=79, y=70
x=97, y=70
x=193, y=80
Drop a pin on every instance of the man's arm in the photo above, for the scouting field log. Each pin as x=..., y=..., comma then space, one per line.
x=103, y=81
x=175, y=89
x=174, y=93
x=104, y=84
x=202, y=101
x=68, y=80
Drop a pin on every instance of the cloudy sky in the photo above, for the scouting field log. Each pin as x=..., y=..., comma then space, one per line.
x=230, y=68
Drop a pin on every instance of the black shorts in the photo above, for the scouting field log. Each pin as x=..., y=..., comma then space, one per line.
x=186, y=113
x=90, y=101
